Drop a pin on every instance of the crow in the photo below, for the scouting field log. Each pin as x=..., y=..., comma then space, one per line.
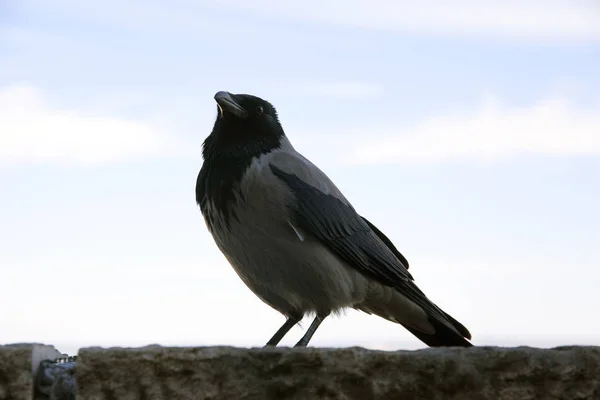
x=294, y=239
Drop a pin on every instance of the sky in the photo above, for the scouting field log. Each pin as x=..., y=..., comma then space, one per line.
x=468, y=132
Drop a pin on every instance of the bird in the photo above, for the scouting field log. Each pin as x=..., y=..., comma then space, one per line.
x=294, y=239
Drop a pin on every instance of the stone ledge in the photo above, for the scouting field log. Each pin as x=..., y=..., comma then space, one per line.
x=156, y=372
x=222, y=373
x=18, y=367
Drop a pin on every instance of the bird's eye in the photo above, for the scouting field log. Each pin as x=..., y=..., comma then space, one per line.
x=259, y=110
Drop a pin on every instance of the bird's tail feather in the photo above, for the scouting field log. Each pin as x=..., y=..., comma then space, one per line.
x=436, y=328
x=443, y=336
x=459, y=327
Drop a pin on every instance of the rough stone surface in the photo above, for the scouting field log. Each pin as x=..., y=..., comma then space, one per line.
x=18, y=365
x=278, y=373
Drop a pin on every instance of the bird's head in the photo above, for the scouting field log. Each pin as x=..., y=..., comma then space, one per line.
x=245, y=125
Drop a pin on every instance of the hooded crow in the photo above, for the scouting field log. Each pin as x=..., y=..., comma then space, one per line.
x=292, y=236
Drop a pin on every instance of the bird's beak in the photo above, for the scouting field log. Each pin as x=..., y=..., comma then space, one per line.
x=227, y=102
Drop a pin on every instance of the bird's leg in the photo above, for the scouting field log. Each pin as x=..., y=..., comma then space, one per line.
x=311, y=330
x=281, y=332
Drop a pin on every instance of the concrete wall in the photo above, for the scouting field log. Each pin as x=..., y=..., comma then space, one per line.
x=278, y=373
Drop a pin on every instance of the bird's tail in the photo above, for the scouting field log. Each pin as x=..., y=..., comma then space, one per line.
x=443, y=336
x=418, y=315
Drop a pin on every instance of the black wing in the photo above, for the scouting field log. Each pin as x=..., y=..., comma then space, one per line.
x=387, y=242
x=339, y=227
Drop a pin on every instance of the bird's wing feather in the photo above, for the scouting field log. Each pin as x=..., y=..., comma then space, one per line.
x=301, y=167
x=320, y=209
x=340, y=228
x=387, y=242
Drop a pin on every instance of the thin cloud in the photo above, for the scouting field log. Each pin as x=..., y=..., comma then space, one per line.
x=339, y=90
x=494, y=131
x=33, y=131
x=537, y=19
x=579, y=19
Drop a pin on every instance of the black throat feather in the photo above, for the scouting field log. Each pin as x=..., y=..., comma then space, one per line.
x=228, y=152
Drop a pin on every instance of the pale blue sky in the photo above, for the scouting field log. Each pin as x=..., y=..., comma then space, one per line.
x=470, y=136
